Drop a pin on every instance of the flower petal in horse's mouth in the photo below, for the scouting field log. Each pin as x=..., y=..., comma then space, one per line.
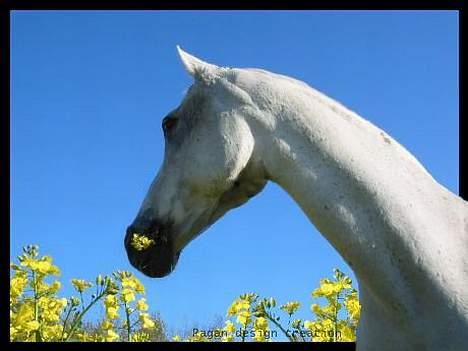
x=141, y=242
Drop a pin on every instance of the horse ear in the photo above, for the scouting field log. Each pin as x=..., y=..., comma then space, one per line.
x=197, y=68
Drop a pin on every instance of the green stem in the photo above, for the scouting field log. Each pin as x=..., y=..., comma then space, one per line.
x=129, y=328
x=279, y=326
x=244, y=332
x=135, y=323
x=65, y=321
x=302, y=337
x=336, y=317
x=36, y=306
x=80, y=316
x=82, y=301
x=289, y=323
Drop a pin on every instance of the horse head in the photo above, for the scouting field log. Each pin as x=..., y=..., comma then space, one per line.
x=210, y=166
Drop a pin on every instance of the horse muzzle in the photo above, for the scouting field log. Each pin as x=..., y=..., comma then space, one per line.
x=159, y=259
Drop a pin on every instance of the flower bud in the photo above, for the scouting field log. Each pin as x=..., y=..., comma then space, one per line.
x=272, y=302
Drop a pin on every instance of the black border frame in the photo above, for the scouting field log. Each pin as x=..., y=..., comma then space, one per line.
x=10, y=5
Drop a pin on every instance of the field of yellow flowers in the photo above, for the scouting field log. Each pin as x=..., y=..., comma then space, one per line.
x=37, y=313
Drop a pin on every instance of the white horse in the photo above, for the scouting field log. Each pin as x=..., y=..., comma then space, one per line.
x=404, y=235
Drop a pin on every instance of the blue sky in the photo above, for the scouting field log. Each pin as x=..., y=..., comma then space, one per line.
x=89, y=91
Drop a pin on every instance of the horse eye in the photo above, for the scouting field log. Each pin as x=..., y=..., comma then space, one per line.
x=168, y=123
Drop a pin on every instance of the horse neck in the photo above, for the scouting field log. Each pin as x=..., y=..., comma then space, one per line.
x=371, y=199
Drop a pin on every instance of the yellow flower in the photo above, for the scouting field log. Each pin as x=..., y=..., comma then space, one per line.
x=237, y=306
x=230, y=328
x=110, y=301
x=128, y=295
x=51, y=332
x=45, y=312
x=261, y=323
x=308, y=325
x=43, y=266
x=243, y=305
x=128, y=282
x=81, y=285
x=13, y=333
x=54, y=270
x=345, y=332
x=243, y=318
x=343, y=285
x=51, y=308
x=133, y=283
x=316, y=308
x=83, y=336
x=112, y=312
x=139, y=287
x=17, y=284
x=327, y=288
x=24, y=314
x=31, y=325
x=227, y=338
x=55, y=286
x=291, y=307
x=141, y=305
x=260, y=329
x=353, y=306
x=106, y=324
x=198, y=337
x=111, y=335
x=75, y=301
x=140, y=337
x=259, y=335
x=232, y=310
x=141, y=242
x=112, y=308
x=146, y=320
x=41, y=286
x=328, y=324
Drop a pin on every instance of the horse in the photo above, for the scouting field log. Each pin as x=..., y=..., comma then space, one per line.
x=404, y=235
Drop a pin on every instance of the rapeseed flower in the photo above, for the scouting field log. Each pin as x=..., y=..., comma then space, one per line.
x=81, y=285
x=141, y=242
x=291, y=307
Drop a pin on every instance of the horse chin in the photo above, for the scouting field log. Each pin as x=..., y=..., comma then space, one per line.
x=159, y=268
